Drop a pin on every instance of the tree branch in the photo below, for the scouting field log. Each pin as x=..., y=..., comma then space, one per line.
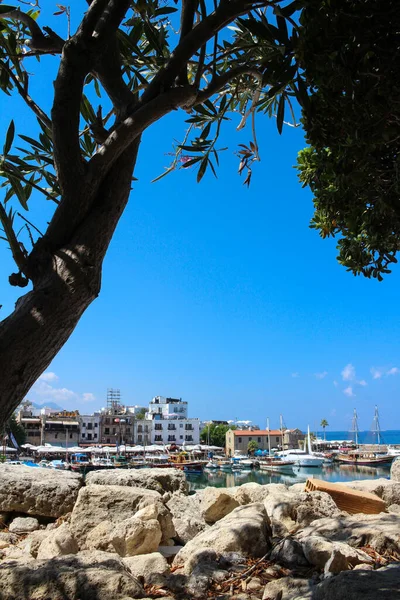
x=18, y=255
x=217, y=83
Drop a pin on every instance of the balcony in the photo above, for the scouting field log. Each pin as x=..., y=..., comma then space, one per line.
x=171, y=427
x=171, y=438
x=158, y=427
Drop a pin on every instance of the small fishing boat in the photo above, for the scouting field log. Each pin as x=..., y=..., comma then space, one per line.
x=225, y=465
x=212, y=465
x=277, y=465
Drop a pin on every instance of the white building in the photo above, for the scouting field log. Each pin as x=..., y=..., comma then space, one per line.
x=170, y=422
x=89, y=426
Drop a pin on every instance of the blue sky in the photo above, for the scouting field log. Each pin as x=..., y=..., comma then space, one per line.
x=223, y=296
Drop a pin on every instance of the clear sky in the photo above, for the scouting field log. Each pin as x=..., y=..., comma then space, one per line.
x=223, y=296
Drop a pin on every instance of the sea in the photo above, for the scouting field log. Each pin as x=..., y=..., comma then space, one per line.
x=389, y=436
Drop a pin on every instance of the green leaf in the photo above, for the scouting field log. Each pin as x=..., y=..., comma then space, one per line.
x=281, y=113
x=9, y=138
x=202, y=169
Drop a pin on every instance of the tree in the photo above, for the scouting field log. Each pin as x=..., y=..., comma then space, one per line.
x=324, y=423
x=215, y=434
x=83, y=158
x=351, y=120
x=141, y=414
x=252, y=446
x=16, y=429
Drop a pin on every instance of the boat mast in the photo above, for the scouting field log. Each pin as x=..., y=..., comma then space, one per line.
x=376, y=425
x=269, y=438
x=281, y=424
x=355, y=426
x=309, y=440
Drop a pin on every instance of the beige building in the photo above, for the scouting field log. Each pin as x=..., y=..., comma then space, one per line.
x=238, y=440
x=47, y=426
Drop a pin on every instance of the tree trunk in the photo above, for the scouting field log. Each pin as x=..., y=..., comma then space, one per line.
x=69, y=280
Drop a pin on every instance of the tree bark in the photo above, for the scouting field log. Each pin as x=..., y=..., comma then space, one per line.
x=69, y=280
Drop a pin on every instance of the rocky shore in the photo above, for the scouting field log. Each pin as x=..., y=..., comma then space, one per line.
x=139, y=534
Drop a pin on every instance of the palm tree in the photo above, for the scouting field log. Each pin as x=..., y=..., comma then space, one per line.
x=324, y=423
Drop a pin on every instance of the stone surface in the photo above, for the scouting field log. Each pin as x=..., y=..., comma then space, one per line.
x=317, y=550
x=373, y=486
x=289, y=553
x=134, y=536
x=245, y=530
x=4, y=519
x=98, y=503
x=32, y=542
x=216, y=503
x=84, y=576
x=343, y=558
x=361, y=584
x=186, y=516
x=381, y=531
x=299, y=508
x=153, y=568
x=160, y=480
x=99, y=537
x=395, y=470
x=254, y=492
x=6, y=539
x=58, y=543
x=289, y=588
x=391, y=494
x=23, y=525
x=157, y=510
x=36, y=491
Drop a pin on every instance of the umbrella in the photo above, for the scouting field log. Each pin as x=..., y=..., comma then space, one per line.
x=8, y=449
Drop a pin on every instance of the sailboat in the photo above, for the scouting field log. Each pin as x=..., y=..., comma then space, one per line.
x=303, y=458
x=275, y=463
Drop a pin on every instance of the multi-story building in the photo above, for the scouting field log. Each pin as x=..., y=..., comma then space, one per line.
x=170, y=423
x=48, y=426
x=89, y=426
x=142, y=432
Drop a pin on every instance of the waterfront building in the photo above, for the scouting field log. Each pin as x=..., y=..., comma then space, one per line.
x=89, y=428
x=170, y=422
x=237, y=440
x=49, y=426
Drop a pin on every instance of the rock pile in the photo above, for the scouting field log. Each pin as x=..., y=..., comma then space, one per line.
x=138, y=534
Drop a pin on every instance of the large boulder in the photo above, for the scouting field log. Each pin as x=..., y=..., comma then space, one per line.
x=135, y=536
x=153, y=568
x=344, y=557
x=58, y=543
x=391, y=494
x=395, y=470
x=289, y=553
x=157, y=510
x=246, y=531
x=159, y=480
x=33, y=541
x=216, y=503
x=254, y=492
x=361, y=584
x=381, y=532
x=84, y=576
x=98, y=503
x=300, y=508
x=36, y=491
x=289, y=588
x=23, y=525
x=186, y=516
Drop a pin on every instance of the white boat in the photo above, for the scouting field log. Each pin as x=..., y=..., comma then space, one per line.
x=393, y=451
x=212, y=465
x=277, y=465
x=225, y=465
x=302, y=458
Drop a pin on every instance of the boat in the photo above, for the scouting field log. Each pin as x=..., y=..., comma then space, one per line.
x=182, y=463
x=277, y=465
x=393, y=451
x=225, y=465
x=302, y=458
x=212, y=465
x=370, y=459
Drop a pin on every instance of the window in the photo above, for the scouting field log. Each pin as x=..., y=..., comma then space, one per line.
x=240, y=440
x=107, y=421
x=139, y=437
x=188, y=438
x=96, y=424
x=95, y=435
x=158, y=438
x=114, y=431
x=250, y=438
x=90, y=425
x=128, y=430
x=83, y=424
x=181, y=437
x=171, y=438
x=277, y=439
x=70, y=436
x=171, y=427
x=55, y=435
x=108, y=440
x=146, y=428
x=259, y=440
x=189, y=427
x=158, y=426
x=140, y=428
x=180, y=424
x=107, y=431
x=83, y=435
x=89, y=437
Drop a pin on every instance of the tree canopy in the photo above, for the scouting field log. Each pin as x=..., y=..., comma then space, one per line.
x=130, y=63
x=215, y=434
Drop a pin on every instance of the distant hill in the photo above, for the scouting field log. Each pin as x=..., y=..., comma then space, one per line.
x=48, y=405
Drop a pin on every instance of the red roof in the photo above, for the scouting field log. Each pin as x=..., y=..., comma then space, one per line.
x=245, y=432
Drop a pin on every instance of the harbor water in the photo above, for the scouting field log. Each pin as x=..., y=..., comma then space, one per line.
x=334, y=473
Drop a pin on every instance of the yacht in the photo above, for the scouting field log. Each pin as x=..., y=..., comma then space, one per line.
x=301, y=458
